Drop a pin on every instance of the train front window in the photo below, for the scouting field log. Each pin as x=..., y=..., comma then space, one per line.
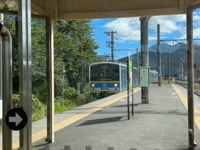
x=104, y=72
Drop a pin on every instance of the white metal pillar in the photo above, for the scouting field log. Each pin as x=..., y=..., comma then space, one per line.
x=25, y=78
x=51, y=8
x=7, y=84
x=1, y=106
x=50, y=76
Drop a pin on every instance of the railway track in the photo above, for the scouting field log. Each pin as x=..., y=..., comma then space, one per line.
x=196, y=86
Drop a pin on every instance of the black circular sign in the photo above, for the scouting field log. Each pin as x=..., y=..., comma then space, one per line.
x=16, y=119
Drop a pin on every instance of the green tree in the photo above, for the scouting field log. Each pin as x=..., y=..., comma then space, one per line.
x=75, y=43
x=39, y=59
x=74, y=50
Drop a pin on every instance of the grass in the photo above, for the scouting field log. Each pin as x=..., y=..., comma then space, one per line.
x=60, y=106
x=64, y=106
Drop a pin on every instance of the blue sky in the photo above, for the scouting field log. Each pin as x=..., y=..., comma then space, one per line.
x=127, y=38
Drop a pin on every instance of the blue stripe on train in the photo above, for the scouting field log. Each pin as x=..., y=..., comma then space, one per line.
x=104, y=85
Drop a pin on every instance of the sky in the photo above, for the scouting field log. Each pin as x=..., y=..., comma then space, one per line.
x=127, y=38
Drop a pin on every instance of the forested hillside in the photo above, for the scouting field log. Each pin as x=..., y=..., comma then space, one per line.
x=176, y=55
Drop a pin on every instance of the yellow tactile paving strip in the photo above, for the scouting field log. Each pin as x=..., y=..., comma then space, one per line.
x=183, y=98
x=42, y=134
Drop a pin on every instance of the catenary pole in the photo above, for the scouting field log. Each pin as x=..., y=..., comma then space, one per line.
x=145, y=55
x=159, y=56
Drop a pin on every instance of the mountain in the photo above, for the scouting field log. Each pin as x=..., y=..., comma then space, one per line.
x=177, y=58
x=165, y=47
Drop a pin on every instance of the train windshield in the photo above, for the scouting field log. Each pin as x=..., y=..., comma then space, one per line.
x=104, y=72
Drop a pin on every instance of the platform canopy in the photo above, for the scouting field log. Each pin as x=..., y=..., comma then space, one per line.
x=88, y=9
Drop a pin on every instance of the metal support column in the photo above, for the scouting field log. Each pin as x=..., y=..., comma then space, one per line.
x=190, y=79
x=128, y=89
x=137, y=59
x=7, y=84
x=25, y=79
x=169, y=67
x=1, y=106
x=50, y=76
x=182, y=75
x=145, y=54
x=159, y=56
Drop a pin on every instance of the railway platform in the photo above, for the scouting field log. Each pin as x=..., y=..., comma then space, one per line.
x=103, y=125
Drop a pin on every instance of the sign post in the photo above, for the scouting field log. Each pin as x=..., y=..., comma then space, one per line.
x=132, y=90
x=129, y=83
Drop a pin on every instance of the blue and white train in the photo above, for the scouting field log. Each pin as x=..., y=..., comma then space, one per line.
x=111, y=77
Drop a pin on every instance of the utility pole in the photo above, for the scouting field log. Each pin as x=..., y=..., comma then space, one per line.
x=111, y=43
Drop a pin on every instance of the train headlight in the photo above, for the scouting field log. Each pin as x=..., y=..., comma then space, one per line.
x=115, y=85
x=92, y=85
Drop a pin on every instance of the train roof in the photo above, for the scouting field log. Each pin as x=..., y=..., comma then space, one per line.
x=117, y=63
x=108, y=62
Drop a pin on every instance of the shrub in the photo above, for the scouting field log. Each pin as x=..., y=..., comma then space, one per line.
x=35, y=101
x=37, y=107
x=70, y=93
x=15, y=98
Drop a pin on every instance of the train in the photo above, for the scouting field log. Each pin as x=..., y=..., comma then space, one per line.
x=106, y=78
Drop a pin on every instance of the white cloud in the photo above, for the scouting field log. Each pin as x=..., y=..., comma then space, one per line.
x=168, y=24
x=171, y=26
x=127, y=29
x=196, y=33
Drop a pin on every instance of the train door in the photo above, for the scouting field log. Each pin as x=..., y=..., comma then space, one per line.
x=123, y=79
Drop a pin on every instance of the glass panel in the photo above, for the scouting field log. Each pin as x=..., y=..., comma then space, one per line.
x=104, y=72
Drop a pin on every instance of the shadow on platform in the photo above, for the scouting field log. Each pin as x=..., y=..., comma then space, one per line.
x=101, y=121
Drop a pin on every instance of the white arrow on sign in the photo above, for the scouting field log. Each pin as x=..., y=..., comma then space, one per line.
x=17, y=119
